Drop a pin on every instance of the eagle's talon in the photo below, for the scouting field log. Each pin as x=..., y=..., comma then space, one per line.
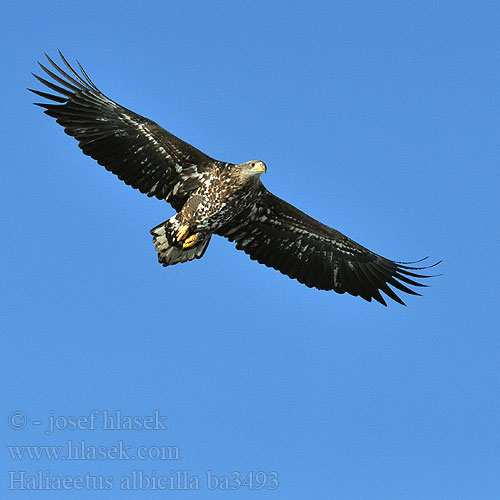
x=182, y=232
x=190, y=241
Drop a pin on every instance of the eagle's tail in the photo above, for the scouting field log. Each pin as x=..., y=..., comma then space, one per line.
x=170, y=251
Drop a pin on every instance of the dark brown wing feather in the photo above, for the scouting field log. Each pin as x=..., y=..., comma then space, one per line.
x=279, y=235
x=136, y=149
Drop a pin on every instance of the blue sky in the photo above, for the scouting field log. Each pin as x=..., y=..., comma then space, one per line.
x=378, y=118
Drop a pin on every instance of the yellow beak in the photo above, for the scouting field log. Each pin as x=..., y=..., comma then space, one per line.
x=259, y=167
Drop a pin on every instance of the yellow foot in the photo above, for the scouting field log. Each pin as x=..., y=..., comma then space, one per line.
x=182, y=232
x=190, y=241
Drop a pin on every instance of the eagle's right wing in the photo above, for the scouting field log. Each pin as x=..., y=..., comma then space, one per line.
x=277, y=234
x=136, y=149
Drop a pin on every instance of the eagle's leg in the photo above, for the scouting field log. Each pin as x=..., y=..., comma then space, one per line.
x=182, y=232
x=190, y=241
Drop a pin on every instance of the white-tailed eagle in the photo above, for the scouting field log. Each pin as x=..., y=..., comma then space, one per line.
x=214, y=197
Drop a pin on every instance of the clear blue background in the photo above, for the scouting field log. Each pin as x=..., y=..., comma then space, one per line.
x=380, y=119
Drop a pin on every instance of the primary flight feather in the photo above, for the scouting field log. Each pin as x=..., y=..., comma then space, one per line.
x=214, y=197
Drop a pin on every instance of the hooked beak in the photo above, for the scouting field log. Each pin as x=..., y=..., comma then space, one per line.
x=259, y=167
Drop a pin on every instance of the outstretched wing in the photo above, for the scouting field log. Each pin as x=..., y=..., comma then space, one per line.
x=276, y=234
x=136, y=149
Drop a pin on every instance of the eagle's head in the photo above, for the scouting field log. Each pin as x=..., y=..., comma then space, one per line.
x=250, y=171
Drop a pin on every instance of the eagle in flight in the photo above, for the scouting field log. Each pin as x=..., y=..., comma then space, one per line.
x=215, y=197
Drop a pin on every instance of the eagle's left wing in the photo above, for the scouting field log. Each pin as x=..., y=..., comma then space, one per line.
x=136, y=149
x=279, y=235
